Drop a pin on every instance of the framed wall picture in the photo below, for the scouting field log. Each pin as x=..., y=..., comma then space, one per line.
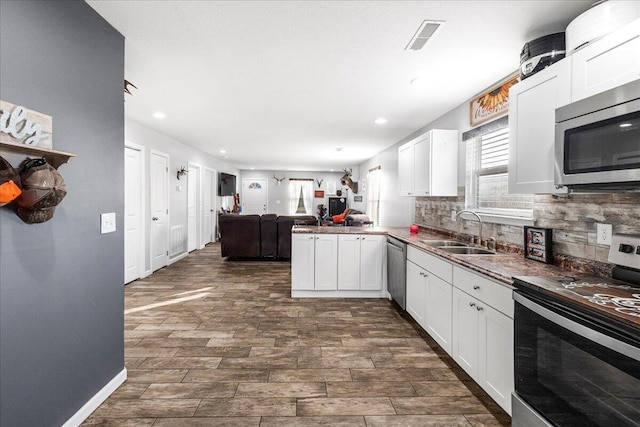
x=538, y=244
x=319, y=194
x=492, y=103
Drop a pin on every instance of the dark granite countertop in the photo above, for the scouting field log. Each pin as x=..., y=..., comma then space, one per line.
x=502, y=266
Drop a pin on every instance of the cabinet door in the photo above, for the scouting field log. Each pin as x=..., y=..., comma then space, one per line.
x=496, y=355
x=439, y=300
x=405, y=169
x=302, y=261
x=464, y=338
x=422, y=166
x=606, y=63
x=326, y=262
x=349, y=262
x=532, y=105
x=417, y=293
x=371, y=262
x=444, y=162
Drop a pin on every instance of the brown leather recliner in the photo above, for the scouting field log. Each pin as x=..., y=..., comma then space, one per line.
x=285, y=223
x=240, y=235
x=269, y=235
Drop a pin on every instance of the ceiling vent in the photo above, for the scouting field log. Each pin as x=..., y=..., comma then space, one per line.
x=425, y=32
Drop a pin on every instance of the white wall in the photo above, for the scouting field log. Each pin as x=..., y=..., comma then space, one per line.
x=179, y=155
x=397, y=211
x=278, y=195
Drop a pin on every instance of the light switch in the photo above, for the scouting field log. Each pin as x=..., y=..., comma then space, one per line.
x=107, y=222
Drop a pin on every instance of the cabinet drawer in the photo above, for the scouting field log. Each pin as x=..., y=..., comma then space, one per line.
x=489, y=292
x=431, y=263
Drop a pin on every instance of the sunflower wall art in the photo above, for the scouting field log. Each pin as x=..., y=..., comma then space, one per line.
x=492, y=103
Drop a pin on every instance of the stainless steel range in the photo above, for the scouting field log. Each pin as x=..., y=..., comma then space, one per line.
x=577, y=346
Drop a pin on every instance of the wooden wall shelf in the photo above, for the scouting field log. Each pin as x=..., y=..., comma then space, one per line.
x=54, y=157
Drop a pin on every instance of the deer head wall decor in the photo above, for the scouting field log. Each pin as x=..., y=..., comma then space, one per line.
x=346, y=180
x=279, y=180
x=319, y=182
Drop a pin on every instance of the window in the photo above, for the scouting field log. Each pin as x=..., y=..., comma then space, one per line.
x=487, y=184
x=373, y=195
x=300, y=196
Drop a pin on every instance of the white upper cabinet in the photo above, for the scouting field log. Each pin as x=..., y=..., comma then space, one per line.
x=428, y=165
x=606, y=63
x=532, y=104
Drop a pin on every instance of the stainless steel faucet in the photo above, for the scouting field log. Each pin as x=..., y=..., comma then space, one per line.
x=479, y=222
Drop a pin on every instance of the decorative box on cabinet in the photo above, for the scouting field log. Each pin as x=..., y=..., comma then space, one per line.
x=428, y=165
x=532, y=104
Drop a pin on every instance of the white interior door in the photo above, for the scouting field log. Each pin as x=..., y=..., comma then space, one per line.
x=159, y=201
x=254, y=196
x=193, y=203
x=208, y=205
x=133, y=206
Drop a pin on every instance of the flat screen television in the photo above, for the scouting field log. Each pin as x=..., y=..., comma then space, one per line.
x=226, y=184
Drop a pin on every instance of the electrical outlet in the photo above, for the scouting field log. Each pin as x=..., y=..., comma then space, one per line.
x=453, y=214
x=604, y=232
x=107, y=222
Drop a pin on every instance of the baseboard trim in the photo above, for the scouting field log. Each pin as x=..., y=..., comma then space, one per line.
x=93, y=403
x=337, y=294
x=178, y=258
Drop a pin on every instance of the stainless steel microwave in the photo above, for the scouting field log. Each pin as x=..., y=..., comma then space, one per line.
x=597, y=141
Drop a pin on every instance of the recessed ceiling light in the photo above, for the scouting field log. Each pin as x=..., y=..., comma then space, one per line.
x=380, y=121
x=625, y=125
x=331, y=170
x=223, y=151
x=252, y=168
x=159, y=115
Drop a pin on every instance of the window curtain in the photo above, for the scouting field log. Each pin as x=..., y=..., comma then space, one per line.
x=373, y=195
x=300, y=197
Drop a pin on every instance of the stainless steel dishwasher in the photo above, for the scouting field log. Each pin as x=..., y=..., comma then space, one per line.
x=397, y=270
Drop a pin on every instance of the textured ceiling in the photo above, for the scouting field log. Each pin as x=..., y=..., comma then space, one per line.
x=283, y=84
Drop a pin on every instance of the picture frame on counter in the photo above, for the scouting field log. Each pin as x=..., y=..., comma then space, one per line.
x=538, y=244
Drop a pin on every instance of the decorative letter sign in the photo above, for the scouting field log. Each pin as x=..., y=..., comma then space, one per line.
x=19, y=125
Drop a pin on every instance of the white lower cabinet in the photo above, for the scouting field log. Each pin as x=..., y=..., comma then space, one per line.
x=482, y=335
x=303, y=260
x=428, y=298
x=360, y=262
x=335, y=265
x=314, y=261
x=417, y=293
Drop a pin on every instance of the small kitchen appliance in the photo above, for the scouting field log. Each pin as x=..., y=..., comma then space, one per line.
x=540, y=53
x=577, y=346
x=597, y=141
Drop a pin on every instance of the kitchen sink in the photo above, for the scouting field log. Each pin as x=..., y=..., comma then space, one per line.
x=466, y=250
x=442, y=243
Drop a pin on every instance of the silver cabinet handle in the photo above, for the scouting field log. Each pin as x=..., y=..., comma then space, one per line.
x=479, y=308
x=155, y=218
x=476, y=287
x=472, y=304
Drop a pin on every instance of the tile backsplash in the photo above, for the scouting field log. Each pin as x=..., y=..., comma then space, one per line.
x=573, y=219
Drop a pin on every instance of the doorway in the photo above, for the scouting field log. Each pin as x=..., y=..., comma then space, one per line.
x=254, y=196
x=159, y=203
x=208, y=206
x=194, y=213
x=133, y=212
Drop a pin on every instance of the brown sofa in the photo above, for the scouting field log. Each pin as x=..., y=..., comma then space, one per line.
x=253, y=236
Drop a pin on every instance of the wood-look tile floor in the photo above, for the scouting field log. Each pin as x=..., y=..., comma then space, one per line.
x=215, y=342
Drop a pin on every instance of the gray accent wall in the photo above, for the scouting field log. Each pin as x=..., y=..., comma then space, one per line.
x=61, y=282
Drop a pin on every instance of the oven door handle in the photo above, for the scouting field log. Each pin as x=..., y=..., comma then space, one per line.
x=595, y=336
